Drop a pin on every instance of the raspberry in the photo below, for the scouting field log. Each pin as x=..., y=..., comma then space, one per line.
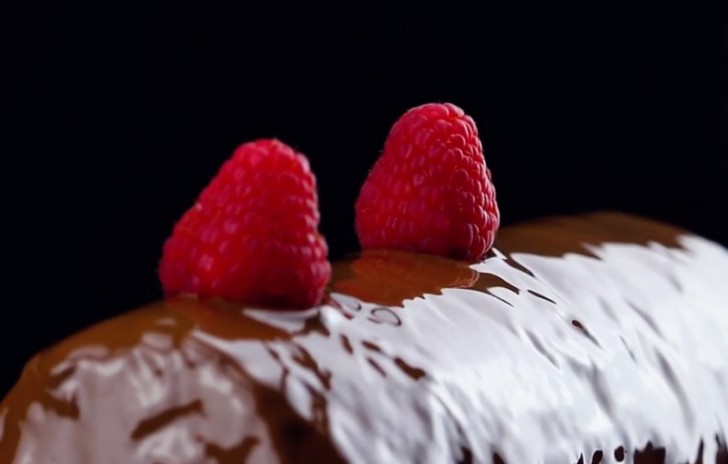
x=252, y=235
x=430, y=190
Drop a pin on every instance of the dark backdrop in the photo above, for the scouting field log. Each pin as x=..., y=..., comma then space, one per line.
x=117, y=117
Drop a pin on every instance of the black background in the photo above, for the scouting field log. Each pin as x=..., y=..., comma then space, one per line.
x=116, y=117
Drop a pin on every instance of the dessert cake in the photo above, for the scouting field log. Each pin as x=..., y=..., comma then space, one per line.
x=595, y=338
x=586, y=339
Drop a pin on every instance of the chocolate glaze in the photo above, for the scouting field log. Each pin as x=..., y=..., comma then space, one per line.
x=587, y=339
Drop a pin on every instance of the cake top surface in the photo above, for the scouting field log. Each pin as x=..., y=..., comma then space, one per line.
x=575, y=335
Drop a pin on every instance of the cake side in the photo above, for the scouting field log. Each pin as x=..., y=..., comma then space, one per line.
x=578, y=336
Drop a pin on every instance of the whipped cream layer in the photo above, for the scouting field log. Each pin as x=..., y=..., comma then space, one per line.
x=597, y=337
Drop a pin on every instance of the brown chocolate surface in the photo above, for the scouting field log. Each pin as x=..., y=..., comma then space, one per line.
x=598, y=336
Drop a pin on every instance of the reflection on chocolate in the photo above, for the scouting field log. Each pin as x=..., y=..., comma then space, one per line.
x=221, y=318
x=389, y=277
x=591, y=339
x=547, y=237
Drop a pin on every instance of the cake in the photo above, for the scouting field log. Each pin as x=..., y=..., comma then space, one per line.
x=594, y=338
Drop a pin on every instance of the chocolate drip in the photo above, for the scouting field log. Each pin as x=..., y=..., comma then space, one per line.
x=588, y=336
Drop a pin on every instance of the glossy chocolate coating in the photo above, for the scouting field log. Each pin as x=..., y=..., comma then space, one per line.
x=597, y=338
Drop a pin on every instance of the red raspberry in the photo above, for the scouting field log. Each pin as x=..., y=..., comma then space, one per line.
x=252, y=236
x=430, y=191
